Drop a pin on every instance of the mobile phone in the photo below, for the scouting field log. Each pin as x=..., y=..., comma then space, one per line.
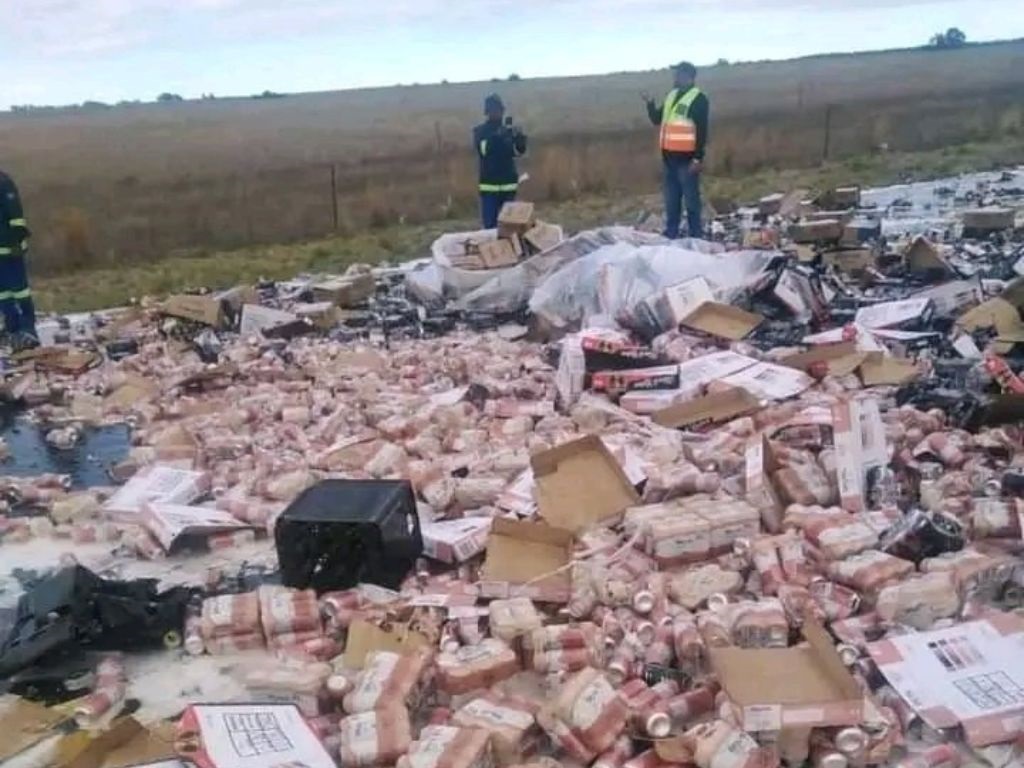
x=508, y=121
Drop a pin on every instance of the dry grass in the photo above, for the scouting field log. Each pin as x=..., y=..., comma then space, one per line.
x=106, y=287
x=137, y=185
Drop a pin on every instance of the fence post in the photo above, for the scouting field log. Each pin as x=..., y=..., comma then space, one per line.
x=334, y=197
x=828, y=133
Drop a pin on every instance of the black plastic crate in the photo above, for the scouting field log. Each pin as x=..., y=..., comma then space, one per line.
x=340, y=533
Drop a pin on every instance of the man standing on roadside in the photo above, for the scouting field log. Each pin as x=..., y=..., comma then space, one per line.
x=497, y=143
x=683, y=119
x=15, y=296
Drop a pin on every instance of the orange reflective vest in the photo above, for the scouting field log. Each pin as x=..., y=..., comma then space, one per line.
x=678, y=131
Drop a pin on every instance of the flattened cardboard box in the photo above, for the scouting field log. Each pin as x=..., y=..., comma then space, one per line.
x=710, y=409
x=527, y=560
x=723, y=320
x=773, y=688
x=841, y=359
x=23, y=724
x=969, y=675
x=249, y=736
x=580, y=484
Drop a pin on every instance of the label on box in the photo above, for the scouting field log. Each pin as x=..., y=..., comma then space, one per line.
x=253, y=736
x=762, y=717
x=770, y=382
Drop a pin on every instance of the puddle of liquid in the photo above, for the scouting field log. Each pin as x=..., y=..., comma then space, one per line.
x=86, y=463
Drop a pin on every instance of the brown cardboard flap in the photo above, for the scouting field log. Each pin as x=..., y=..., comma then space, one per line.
x=922, y=255
x=717, y=407
x=580, y=484
x=83, y=749
x=811, y=681
x=842, y=358
x=365, y=638
x=520, y=552
x=23, y=723
x=879, y=368
x=723, y=320
x=995, y=313
x=674, y=750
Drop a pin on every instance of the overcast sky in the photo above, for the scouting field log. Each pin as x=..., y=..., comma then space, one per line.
x=66, y=51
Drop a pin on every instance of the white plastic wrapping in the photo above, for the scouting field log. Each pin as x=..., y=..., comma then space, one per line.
x=611, y=281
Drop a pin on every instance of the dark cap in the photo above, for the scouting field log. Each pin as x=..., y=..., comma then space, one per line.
x=686, y=68
x=493, y=101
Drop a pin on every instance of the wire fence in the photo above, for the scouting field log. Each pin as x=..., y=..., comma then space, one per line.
x=84, y=224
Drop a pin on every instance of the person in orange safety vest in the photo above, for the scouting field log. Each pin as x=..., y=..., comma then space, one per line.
x=683, y=123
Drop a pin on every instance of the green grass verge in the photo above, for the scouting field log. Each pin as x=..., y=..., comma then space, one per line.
x=100, y=288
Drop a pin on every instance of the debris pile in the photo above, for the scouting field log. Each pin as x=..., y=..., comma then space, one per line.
x=613, y=502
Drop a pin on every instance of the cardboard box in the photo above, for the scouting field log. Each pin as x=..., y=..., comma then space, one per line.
x=516, y=218
x=250, y=736
x=823, y=231
x=207, y=309
x=985, y=220
x=770, y=382
x=455, y=541
x=125, y=743
x=497, y=254
x=839, y=197
x=527, y=560
x=860, y=445
x=677, y=302
x=256, y=318
x=643, y=379
x=851, y=261
x=322, y=314
x=169, y=522
x=889, y=314
x=159, y=483
x=710, y=409
x=806, y=687
x=769, y=205
x=349, y=291
x=953, y=298
x=580, y=484
x=722, y=320
x=967, y=676
x=860, y=231
x=542, y=237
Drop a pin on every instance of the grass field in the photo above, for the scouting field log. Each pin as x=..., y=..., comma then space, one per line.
x=137, y=186
x=105, y=287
